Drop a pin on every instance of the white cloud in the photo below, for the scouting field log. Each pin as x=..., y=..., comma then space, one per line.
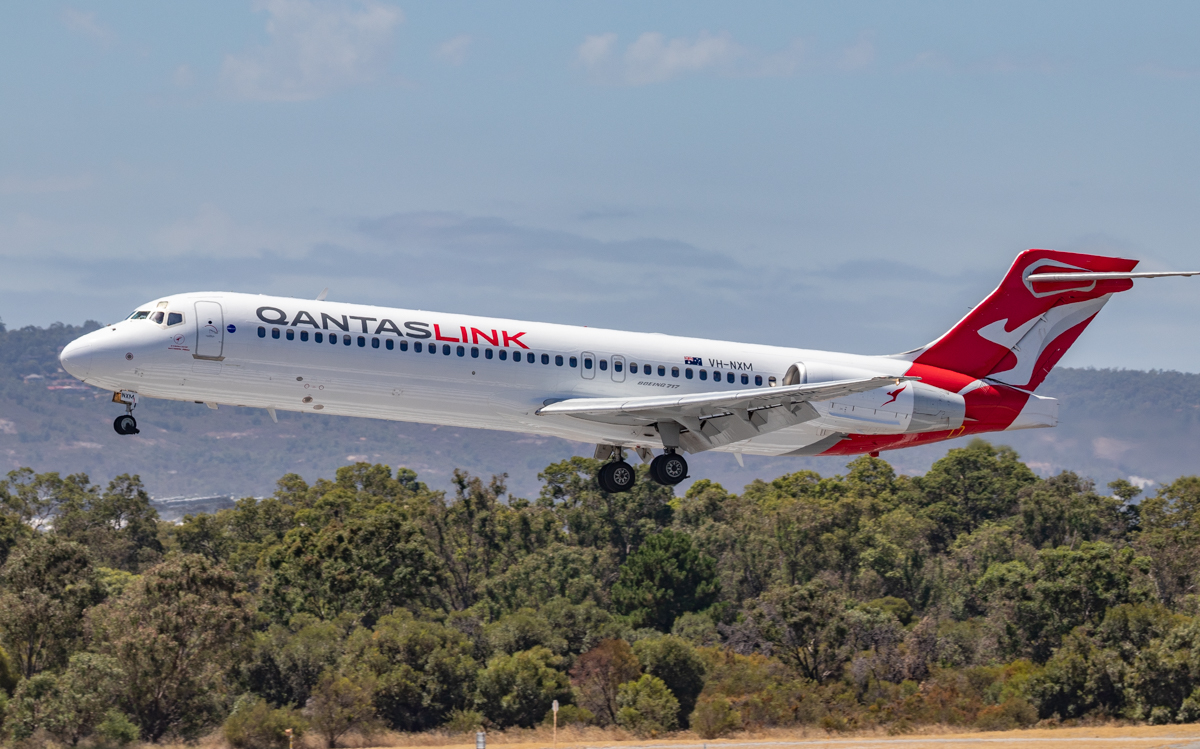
x=183, y=77
x=595, y=49
x=652, y=58
x=314, y=49
x=454, y=51
x=44, y=185
x=85, y=24
x=860, y=55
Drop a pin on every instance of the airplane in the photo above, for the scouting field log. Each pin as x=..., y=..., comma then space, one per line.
x=619, y=390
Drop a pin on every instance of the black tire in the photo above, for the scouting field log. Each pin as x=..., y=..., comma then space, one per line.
x=621, y=476
x=656, y=471
x=125, y=425
x=672, y=469
x=604, y=478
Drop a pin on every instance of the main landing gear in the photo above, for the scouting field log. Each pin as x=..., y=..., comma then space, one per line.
x=618, y=476
x=125, y=424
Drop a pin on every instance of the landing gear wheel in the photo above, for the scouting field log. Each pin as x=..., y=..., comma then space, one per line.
x=668, y=469
x=125, y=424
x=617, y=477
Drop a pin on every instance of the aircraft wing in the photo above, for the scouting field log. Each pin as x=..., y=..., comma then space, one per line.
x=719, y=418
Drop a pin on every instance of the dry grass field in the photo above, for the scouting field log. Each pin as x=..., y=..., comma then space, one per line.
x=1108, y=736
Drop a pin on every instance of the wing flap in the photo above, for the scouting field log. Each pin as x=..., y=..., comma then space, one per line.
x=719, y=418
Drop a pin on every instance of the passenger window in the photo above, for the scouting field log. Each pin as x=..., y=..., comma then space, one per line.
x=158, y=317
x=771, y=381
x=662, y=371
x=487, y=353
x=389, y=343
x=545, y=358
x=262, y=332
x=745, y=379
x=758, y=380
x=674, y=371
x=688, y=373
x=704, y=374
x=433, y=349
x=529, y=357
x=503, y=354
x=587, y=363
x=645, y=369
x=417, y=347
x=461, y=351
x=632, y=367
x=616, y=366
x=445, y=349
x=404, y=345
x=174, y=318
x=375, y=343
x=290, y=334
x=275, y=332
x=558, y=360
x=362, y=341
x=474, y=352
x=604, y=364
x=575, y=362
x=345, y=340
x=333, y=339
x=304, y=335
x=729, y=377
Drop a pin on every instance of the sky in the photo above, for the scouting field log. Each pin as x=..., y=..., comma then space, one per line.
x=847, y=176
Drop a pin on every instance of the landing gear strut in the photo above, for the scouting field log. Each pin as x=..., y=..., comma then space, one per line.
x=669, y=468
x=125, y=424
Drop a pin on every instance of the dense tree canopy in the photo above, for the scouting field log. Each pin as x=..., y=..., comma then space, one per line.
x=975, y=594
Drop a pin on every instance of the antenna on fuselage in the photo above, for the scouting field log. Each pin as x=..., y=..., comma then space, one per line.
x=324, y=293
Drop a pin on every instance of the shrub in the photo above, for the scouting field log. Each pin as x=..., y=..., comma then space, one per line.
x=571, y=715
x=254, y=725
x=464, y=721
x=116, y=730
x=1012, y=713
x=647, y=707
x=714, y=718
x=341, y=704
x=517, y=689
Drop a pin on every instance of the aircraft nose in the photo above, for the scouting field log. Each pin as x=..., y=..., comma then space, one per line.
x=76, y=357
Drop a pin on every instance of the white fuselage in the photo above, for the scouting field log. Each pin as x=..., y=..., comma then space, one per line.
x=409, y=365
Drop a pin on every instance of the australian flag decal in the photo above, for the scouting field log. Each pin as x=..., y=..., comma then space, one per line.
x=693, y=360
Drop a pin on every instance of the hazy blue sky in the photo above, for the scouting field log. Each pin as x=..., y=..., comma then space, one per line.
x=836, y=175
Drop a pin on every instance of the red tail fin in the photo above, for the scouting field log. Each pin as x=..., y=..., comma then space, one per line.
x=1024, y=327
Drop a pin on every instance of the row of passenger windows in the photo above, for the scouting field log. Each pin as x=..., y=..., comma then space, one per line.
x=503, y=355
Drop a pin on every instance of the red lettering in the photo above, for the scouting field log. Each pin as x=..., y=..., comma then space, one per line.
x=464, y=334
x=493, y=339
x=513, y=338
x=437, y=333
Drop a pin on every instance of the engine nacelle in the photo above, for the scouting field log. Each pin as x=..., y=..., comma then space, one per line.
x=911, y=406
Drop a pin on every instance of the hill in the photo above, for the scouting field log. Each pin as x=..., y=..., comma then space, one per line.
x=1113, y=424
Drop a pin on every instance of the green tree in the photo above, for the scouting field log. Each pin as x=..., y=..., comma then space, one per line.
x=647, y=707
x=598, y=675
x=37, y=498
x=972, y=485
x=1066, y=511
x=175, y=632
x=366, y=565
x=806, y=626
x=676, y=662
x=340, y=704
x=664, y=578
x=285, y=662
x=45, y=586
x=253, y=724
x=517, y=689
x=1170, y=536
x=118, y=525
x=422, y=670
x=616, y=522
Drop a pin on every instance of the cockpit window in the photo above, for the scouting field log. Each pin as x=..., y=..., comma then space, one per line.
x=158, y=316
x=141, y=314
x=174, y=318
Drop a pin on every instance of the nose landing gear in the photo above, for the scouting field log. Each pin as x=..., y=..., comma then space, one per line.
x=125, y=424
